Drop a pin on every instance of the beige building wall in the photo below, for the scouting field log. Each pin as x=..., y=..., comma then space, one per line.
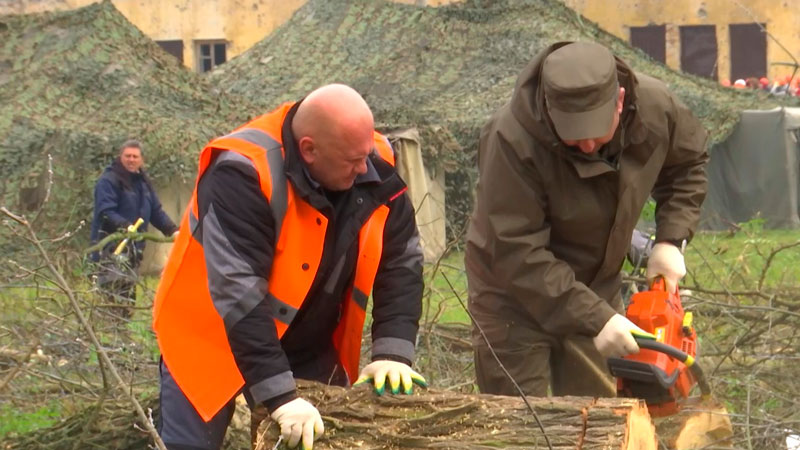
x=782, y=19
x=240, y=23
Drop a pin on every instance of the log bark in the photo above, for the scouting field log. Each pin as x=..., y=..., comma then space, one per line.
x=358, y=418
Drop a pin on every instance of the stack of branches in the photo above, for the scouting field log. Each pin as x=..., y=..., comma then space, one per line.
x=744, y=294
x=748, y=323
x=68, y=360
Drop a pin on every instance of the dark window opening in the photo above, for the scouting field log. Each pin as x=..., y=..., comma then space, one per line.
x=748, y=50
x=219, y=54
x=174, y=48
x=651, y=39
x=699, y=50
x=210, y=55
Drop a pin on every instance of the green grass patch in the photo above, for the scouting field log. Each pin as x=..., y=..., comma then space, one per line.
x=15, y=421
x=441, y=301
x=713, y=260
x=742, y=260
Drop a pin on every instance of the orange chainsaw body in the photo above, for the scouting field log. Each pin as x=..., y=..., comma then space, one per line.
x=662, y=381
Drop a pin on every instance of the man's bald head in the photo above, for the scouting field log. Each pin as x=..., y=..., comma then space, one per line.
x=333, y=127
x=332, y=108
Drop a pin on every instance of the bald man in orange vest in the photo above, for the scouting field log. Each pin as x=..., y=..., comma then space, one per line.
x=296, y=217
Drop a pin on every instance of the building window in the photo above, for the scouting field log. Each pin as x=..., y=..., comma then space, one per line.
x=174, y=48
x=699, y=50
x=651, y=39
x=210, y=54
x=748, y=50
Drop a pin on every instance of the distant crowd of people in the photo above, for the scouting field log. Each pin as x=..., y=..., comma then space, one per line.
x=784, y=85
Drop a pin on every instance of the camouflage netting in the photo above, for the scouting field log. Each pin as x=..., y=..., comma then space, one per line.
x=450, y=66
x=77, y=84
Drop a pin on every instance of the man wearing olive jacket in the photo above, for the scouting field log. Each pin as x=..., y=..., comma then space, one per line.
x=565, y=169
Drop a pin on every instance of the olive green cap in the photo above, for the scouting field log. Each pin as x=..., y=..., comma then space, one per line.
x=580, y=88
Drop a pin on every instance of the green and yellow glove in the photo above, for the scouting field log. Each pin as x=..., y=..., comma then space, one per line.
x=396, y=372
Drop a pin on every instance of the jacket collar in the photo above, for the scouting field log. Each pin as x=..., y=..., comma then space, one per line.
x=125, y=178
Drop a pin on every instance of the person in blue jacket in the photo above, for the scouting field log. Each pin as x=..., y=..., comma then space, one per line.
x=122, y=195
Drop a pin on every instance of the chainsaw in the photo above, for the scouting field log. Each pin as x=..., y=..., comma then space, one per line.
x=665, y=369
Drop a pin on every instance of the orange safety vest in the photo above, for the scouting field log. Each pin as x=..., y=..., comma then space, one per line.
x=191, y=334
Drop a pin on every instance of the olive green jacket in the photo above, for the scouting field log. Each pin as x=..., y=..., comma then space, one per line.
x=551, y=225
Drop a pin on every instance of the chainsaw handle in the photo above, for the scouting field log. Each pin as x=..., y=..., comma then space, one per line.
x=658, y=284
x=669, y=350
x=683, y=357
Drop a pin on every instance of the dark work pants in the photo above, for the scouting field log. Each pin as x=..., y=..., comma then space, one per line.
x=116, y=280
x=182, y=428
x=538, y=361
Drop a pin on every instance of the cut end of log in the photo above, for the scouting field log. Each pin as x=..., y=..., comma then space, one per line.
x=641, y=431
x=699, y=424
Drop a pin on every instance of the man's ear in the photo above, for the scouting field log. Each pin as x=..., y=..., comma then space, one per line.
x=620, y=99
x=307, y=149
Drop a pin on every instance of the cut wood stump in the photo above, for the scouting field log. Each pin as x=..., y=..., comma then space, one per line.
x=699, y=424
x=357, y=418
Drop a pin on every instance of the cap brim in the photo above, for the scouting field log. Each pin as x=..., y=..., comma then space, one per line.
x=574, y=126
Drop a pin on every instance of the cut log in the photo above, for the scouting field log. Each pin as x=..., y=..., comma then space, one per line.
x=700, y=424
x=358, y=418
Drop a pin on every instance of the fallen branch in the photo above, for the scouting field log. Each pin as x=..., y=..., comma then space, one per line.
x=132, y=235
x=102, y=354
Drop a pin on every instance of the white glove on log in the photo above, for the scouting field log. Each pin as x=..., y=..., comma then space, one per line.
x=615, y=339
x=666, y=261
x=299, y=418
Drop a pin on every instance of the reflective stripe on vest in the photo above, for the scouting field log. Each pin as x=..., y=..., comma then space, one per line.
x=192, y=335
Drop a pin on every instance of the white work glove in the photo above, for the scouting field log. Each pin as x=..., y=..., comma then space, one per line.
x=299, y=418
x=666, y=260
x=397, y=372
x=615, y=339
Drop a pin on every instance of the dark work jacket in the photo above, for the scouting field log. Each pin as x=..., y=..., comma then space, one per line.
x=229, y=195
x=551, y=225
x=121, y=197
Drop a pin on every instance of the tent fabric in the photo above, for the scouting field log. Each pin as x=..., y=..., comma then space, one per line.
x=754, y=173
x=426, y=190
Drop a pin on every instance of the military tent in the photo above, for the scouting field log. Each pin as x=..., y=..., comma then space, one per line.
x=449, y=67
x=755, y=172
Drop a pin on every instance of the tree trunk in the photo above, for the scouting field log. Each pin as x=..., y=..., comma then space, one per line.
x=358, y=418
